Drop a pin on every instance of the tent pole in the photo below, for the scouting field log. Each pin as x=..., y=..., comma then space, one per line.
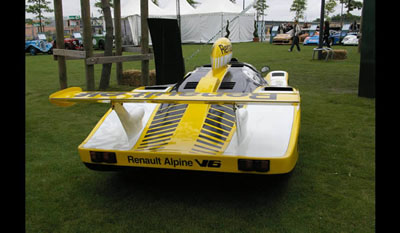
x=178, y=15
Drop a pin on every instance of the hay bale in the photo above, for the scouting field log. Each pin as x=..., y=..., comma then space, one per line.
x=338, y=54
x=133, y=77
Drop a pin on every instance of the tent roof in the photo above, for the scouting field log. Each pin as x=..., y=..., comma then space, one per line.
x=132, y=7
x=184, y=7
x=217, y=6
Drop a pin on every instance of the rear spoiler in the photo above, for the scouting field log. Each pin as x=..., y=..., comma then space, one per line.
x=72, y=95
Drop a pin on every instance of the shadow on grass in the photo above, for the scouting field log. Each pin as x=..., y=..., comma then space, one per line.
x=190, y=201
x=191, y=187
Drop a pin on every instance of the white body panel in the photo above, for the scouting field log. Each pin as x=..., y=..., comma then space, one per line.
x=350, y=40
x=265, y=131
x=111, y=134
x=268, y=131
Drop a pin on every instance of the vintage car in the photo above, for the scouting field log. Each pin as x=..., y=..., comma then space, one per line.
x=38, y=46
x=73, y=44
x=283, y=38
x=312, y=39
x=303, y=35
x=98, y=41
x=77, y=35
x=336, y=37
x=350, y=39
x=286, y=38
x=222, y=117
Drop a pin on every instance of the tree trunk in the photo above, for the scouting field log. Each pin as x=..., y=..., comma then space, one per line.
x=106, y=72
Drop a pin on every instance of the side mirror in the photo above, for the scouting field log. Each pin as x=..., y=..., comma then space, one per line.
x=265, y=69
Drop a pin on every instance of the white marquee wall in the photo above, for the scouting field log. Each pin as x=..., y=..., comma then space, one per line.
x=197, y=25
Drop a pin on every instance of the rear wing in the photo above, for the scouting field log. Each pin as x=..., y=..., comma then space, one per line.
x=72, y=95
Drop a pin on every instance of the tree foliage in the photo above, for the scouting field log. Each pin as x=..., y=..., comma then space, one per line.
x=299, y=7
x=347, y=18
x=351, y=5
x=98, y=5
x=260, y=6
x=38, y=7
x=330, y=8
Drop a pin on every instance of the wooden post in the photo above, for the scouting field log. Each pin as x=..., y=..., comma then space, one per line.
x=106, y=71
x=118, y=39
x=62, y=68
x=87, y=43
x=144, y=13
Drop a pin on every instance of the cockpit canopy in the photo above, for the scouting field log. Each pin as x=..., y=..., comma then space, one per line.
x=240, y=78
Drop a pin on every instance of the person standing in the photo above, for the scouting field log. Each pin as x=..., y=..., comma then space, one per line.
x=325, y=40
x=295, y=36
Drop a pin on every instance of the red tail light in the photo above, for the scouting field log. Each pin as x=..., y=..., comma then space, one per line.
x=103, y=157
x=253, y=165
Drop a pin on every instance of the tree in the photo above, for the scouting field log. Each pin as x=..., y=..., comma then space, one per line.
x=38, y=7
x=351, y=5
x=98, y=5
x=299, y=6
x=260, y=6
x=106, y=71
x=347, y=17
x=329, y=8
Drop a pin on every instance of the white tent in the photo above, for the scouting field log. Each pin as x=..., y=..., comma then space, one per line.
x=210, y=19
x=184, y=7
x=217, y=6
x=198, y=25
x=130, y=9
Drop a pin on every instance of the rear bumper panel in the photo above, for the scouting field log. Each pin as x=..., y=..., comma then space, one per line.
x=197, y=162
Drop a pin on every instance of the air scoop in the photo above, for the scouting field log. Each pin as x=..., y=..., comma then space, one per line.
x=131, y=121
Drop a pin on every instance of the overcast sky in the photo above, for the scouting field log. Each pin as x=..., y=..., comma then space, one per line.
x=278, y=9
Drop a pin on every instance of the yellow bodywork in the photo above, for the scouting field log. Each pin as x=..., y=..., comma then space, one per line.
x=177, y=143
x=171, y=157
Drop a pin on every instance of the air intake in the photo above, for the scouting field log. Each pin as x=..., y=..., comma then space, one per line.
x=227, y=85
x=278, y=89
x=191, y=85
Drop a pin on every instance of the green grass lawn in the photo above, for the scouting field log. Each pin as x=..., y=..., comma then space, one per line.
x=332, y=188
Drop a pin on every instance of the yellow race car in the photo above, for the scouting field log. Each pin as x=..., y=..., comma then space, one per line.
x=222, y=117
